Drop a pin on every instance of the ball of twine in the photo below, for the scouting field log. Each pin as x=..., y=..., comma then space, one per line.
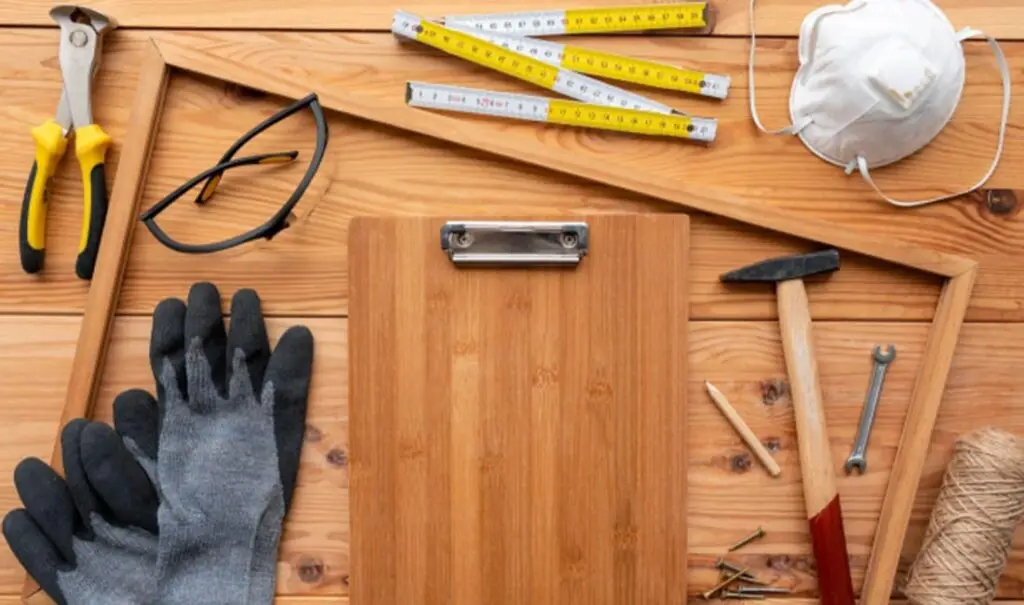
x=972, y=525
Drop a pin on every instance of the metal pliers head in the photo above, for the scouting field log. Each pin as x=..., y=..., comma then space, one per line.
x=81, y=38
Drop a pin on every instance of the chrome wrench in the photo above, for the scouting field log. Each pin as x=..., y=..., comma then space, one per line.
x=857, y=458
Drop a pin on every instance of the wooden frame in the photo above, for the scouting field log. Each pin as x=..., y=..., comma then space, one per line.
x=164, y=56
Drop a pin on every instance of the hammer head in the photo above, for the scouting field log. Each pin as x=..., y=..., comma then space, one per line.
x=786, y=268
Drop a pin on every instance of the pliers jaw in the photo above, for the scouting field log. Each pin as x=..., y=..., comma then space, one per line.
x=81, y=38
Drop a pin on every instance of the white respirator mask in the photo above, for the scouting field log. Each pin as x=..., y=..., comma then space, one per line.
x=878, y=80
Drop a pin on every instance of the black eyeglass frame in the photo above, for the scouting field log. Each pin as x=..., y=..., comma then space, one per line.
x=213, y=175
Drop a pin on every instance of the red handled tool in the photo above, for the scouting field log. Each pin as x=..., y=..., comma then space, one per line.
x=820, y=495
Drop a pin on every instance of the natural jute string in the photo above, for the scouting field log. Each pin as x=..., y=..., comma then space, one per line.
x=972, y=524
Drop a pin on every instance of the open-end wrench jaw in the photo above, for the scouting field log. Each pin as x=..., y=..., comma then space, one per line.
x=856, y=462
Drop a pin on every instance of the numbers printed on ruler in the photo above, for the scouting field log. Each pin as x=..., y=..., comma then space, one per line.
x=472, y=48
x=597, y=104
x=608, y=65
x=583, y=21
x=558, y=111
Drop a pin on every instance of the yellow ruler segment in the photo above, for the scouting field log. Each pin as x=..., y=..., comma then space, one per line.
x=497, y=104
x=637, y=71
x=634, y=18
x=608, y=65
x=584, y=115
x=534, y=67
x=489, y=55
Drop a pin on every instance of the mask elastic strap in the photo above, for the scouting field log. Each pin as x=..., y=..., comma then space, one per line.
x=861, y=165
x=792, y=128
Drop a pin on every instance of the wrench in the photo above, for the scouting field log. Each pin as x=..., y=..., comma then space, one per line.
x=867, y=416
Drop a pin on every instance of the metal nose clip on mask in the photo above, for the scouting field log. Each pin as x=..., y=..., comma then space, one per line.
x=878, y=80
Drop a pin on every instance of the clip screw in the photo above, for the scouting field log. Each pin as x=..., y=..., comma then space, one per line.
x=461, y=240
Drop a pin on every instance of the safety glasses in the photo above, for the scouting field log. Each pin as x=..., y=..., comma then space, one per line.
x=279, y=221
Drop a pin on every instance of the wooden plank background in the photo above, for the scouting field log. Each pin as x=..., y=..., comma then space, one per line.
x=1003, y=18
x=302, y=273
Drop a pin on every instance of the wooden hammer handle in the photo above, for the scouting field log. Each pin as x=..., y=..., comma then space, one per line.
x=816, y=468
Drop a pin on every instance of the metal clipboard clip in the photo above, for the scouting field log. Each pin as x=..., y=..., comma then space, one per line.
x=515, y=244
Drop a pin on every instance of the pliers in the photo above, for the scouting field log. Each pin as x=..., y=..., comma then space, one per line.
x=81, y=32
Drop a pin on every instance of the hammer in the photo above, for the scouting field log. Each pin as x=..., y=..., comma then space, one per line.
x=821, y=498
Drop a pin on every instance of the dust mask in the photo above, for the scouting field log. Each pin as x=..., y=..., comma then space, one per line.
x=878, y=80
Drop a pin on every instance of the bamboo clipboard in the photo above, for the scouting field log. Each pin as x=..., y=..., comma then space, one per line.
x=518, y=435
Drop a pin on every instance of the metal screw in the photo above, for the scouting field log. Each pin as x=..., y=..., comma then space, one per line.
x=461, y=240
x=757, y=535
x=568, y=240
x=762, y=590
x=707, y=595
x=728, y=594
x=78, y=38
x=728, y=567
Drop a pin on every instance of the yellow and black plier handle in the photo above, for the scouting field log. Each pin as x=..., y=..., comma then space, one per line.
x=81, y=34
x=91, y=144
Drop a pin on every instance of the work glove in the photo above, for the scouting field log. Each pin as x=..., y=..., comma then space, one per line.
x=232, y=420
x=90, y=538
x=107, y=510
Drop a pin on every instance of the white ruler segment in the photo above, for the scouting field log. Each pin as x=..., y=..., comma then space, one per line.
x=471, y=100
x=516, y=106
x=538, y=23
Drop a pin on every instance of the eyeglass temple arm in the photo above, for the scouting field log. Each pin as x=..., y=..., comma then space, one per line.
x=210, y=186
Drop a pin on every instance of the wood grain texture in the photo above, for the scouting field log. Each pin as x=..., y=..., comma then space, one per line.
x=728, y=493
x=1001, y=18
x=381, y=171
x=33, y=365
x=112, y=258
x=743, y=430
x=917, y=434
x=642, y=179
x=797, y=333
x=519, y=435
x=111, y=261
x=635, y=174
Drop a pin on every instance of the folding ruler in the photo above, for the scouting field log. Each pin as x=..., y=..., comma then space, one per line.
x=503, y=42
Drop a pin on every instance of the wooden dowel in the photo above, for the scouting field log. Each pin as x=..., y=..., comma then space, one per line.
x=744, y=431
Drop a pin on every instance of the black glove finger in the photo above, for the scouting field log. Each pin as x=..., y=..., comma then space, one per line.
x=137, y=421
x=74, y=472
x=247, y=338
x=35, y=552
x=288, y=374
x=117, y=479
x=47, y=500
x=167, y=345
x=204, y=325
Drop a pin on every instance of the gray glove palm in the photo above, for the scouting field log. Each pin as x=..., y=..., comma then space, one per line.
x=232, y=421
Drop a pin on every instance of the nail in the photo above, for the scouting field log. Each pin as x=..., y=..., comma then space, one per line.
x=757, y=535
x=726, y=566
x=728, y=594
x=762, y=590
x=707, y=595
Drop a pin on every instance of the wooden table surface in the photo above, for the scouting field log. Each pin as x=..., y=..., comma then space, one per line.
x=302, y=274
